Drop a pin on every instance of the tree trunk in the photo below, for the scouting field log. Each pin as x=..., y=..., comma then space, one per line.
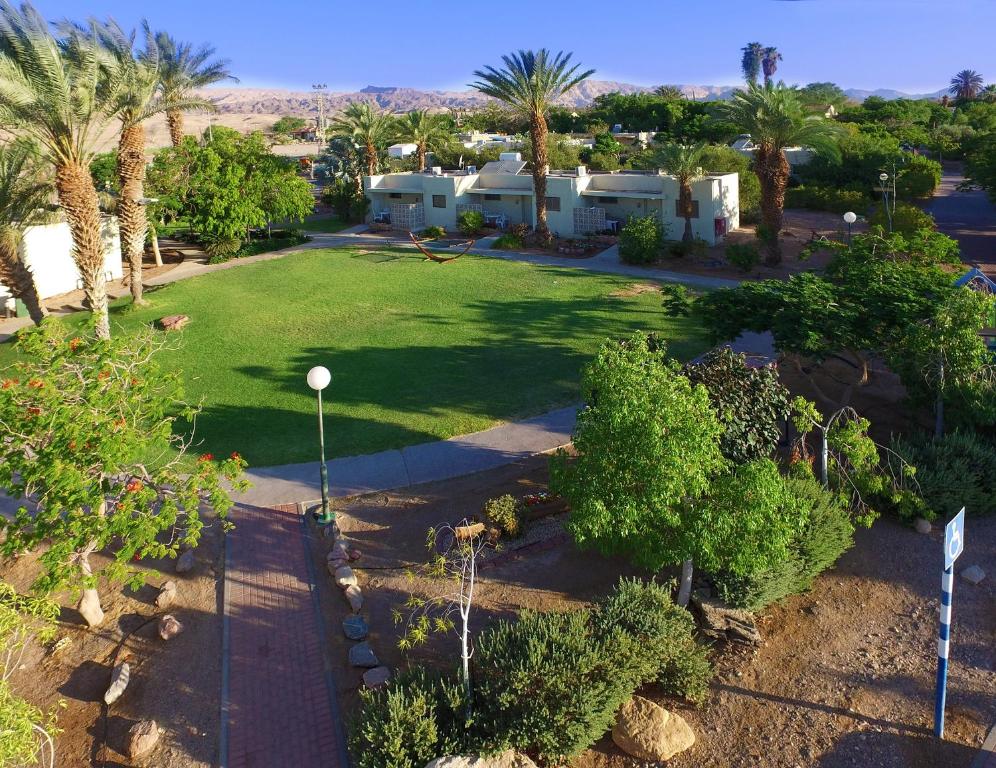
x=371, y=153
x=131, y=212
x=154, y=239
x=685, y=589
x=772, y=171
x=175, y=120
x=685, y=204
x=78, y=198
x=17, y=277
x=824, y=457
x=420, y=156
x=537, y=135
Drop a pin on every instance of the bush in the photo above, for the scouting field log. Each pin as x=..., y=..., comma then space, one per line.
x=918, y=177
x=433, y=233
x=664, y=633
x=679, y=248
x=508, y=242
x=640, y=240
x=470, y=222
x=827, y=534
x=414, y=719
x=907, y=219
x=954, y=471
x=833, y=199
x=549, y=684
x=743, y=256
x=504, y=512
x=221, y=249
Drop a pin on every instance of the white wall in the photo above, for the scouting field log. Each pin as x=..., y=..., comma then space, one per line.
x=48, y=252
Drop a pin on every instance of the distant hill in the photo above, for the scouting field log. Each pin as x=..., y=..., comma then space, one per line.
x=885, y=93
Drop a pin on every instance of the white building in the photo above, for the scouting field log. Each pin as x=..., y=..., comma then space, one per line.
x=578, y=202
x=402, y=150
x=745, y=145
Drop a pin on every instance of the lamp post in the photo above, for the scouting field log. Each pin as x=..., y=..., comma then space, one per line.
x=883, y=178
x=319, y=89
x=319, y=378
x=849, y=218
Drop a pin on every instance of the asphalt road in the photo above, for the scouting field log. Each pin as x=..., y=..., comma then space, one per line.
x=969, y=217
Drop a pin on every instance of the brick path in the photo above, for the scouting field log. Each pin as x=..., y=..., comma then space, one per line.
x=278, y=699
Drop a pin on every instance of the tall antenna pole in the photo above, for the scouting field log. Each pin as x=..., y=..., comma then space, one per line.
x=319, y=89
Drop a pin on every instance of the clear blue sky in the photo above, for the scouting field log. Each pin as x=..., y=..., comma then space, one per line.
x=910, y=45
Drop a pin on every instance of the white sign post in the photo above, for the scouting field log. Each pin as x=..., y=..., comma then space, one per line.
x=954, y=544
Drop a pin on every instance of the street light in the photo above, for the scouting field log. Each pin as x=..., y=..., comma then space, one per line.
x=883, y=178
x=319, y=378
x=849, y=218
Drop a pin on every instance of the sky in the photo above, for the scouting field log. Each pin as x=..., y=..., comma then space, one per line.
x=908, y=45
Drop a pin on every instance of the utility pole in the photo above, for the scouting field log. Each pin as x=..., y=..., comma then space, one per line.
x=319, y=89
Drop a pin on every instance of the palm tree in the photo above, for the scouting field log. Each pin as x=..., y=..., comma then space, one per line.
x=684, y=163
x=424, y=130
x=669, y=92
x=368, y=127
x=775, y=118
x=966, y=84
x=988, y=94
x=59, y=94
x=183, y=69
x=769, y=63
x=750, y=62
x=529, y=83
x=24, y=197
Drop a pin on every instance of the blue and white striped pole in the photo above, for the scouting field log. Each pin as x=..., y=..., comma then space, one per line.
x=943, y=644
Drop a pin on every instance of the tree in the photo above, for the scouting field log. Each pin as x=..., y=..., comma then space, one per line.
x=561, y=152
x=647, y=445
x=182, y=70
x=669, y=92
x=288, y=124
x=823, y=94
x=966, y=84
x=684, y=162
x=60, y=93
x=425, y=130
x=90, y=445
x=988, y=94
x=769, y=63
x=24, y=196
x=368, y=127
x=775, y=119
x=750, y=62
x=529, y=82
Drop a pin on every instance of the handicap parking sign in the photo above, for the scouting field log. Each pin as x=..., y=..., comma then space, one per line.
x=954, y=538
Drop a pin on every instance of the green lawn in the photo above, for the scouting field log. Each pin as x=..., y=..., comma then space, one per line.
x=418, y=351
x=323, y=224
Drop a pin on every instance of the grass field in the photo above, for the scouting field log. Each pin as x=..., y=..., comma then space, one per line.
x=418, y=351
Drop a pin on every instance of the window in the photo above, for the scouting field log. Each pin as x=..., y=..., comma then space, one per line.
x=492, y=197
x=395, y=195
x=695, y=209
x=439, y=201
x=553, y=203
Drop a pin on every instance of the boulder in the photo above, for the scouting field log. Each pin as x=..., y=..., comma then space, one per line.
x=649, y=732
x=173, y=322
x=355, y=598
x=362, y=655
x=89, y=608
x=344, y=577
x=169, y=627
x=354, y=554
x=922, y=526
x=119, y=681
x=166, y=596
x=185, y=562
x=142, y=738
x=973, y=574
x=334, y=565
x=338, y=552
x=355, y=627
x=507, y=759
x=376, y=677
x=725, y=623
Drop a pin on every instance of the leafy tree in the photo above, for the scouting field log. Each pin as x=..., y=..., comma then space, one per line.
x=669, y=92
x=823, y=95
x=750, y=62
x=90, y=442
x=769, y=63
x=718, y=158
x=104, y=170
x=966, y=84
x=561, y=152
x=425, y=130
x=647, y=447
x=684, y=162
x=368, y=127
x=640, y=239
x=288, y=124
x=980, y=166
x=529, y=82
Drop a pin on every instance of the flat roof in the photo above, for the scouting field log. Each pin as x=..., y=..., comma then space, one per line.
x=398, y=190
x=500, y=191
x=622, y=193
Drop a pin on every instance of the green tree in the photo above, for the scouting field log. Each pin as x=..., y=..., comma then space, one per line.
x=823, y=95
x=684, y=162
x=91, y=444
x=288, y=124
x=529, y=82
x=769, y=63
x=561, y=152
x=370, y=128
x=750, y=62
x=425, y=130
x=717, y=158
x=966, y=84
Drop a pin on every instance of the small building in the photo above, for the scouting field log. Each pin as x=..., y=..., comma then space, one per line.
x=402, y=150
x=579, y=202
x=745, y=145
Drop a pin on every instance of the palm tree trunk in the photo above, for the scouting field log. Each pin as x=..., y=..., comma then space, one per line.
x=371, y=153
x=17, y=277
x=685, y=204
x=78, y=198
x=131, y=212
x=772, y=171
x=537, y=135
x=174, y=119
x=420, y=156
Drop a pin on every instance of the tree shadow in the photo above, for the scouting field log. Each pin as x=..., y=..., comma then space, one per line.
x=895, y=750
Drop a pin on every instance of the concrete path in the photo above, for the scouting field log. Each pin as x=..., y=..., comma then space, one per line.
x=969, y=217
x=279, y=707
x=987, y=755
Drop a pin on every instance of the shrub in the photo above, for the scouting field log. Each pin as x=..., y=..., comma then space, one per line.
x=743, y=256
x=432, y=233
x=414, y=719
x=549, y=684
x=918, y=177
x=833, y=199
x=221, y=249
x=954, y=471
x=907, y=219
x=508, y=242
x=520, y=231
x=470, y=222
x=664, y=633
x=696, y=247
x=826, y=535
x=640, y=240
x=504, y=512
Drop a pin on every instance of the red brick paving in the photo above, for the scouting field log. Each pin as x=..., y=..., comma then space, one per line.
x=279, y=697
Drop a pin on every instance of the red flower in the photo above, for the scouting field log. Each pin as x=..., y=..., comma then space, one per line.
x=103, y=375
x=134, y=486
x=75, y=343
x=206, y=457
x=8, y=383
x=36, y=383
x=235, y=455
x=34, y=410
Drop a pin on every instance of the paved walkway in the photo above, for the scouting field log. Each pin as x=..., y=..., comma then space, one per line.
x=987, y=755
x=279, y=707
x=967, y=216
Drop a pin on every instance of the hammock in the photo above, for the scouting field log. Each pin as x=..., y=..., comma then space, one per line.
x=439, y=259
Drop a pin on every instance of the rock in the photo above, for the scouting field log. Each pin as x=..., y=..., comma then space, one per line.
x=142, y=738
x=344, y=577
x=973, y=574
x=169, y=627
x=355, y=598
x=166, y=596
x=89, y=608
x=355, y=627
x=173, y=322
x=354, y=554
x=119, y=681
x=376, y=677
x=185, y=562
x=649, y=732
x=338, y=552
x=335, y=565
x=362, y=655
x=725, y=623
x=507, y=759
x=922, y=526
